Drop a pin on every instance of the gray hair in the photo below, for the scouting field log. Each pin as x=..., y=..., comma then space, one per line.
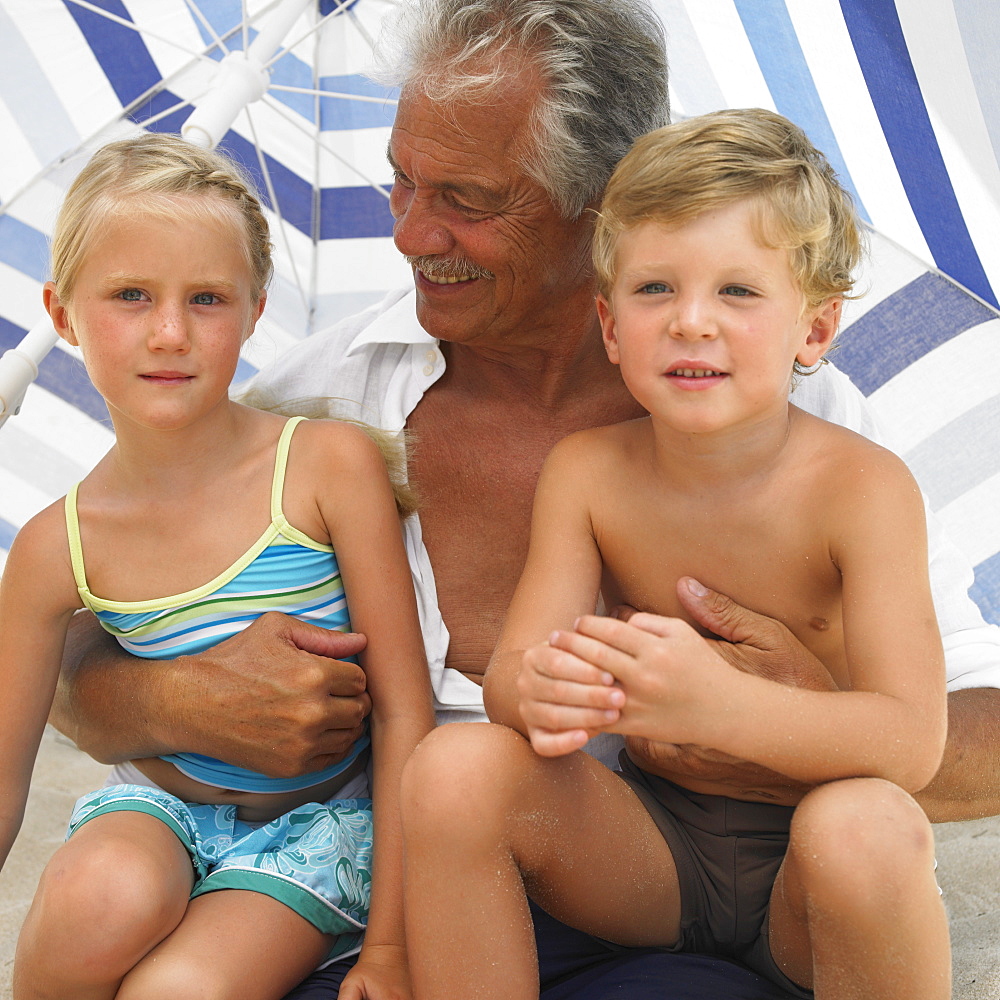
x=604, y=62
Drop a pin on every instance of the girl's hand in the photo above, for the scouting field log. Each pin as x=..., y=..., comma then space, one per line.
x=381, y=973
x=564, y=699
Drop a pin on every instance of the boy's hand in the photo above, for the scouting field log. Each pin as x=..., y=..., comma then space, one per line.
x=673, y=680
x=381, y=973
x=563, y=698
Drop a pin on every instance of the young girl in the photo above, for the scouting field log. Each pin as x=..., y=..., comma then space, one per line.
x=201, y=878
x=723, y=251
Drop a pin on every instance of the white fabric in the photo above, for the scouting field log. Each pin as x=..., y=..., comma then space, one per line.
x=378, y=364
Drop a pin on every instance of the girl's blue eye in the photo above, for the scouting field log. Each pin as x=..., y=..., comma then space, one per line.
x=130, y=294
x=204, y=299
x=653, y=288
x=736, y=290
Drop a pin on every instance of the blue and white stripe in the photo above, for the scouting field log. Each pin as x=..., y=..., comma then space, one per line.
x=903, y=96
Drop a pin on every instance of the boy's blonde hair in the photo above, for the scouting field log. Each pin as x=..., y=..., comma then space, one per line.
x=676, y=173
x=148, y=175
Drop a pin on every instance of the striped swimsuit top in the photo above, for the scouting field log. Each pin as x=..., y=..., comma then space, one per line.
x=284, y=570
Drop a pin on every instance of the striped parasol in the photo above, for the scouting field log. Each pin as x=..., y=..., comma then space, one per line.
x=903, y=96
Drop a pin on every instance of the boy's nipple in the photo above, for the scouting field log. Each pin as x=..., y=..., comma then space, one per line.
x=820, y=624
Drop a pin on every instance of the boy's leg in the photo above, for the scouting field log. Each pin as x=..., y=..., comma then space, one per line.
x=485, y=820
x=115, y=889
x=231, y=943
x=855, y=911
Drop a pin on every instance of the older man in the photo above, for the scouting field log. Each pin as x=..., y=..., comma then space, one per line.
x=512, y=115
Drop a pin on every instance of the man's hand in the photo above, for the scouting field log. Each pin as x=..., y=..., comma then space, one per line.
x=273, y=698
x=750, y=642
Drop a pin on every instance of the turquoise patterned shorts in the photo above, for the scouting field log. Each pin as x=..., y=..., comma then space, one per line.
x=316, y=859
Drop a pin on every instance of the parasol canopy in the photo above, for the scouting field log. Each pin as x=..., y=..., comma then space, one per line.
x=904, y=97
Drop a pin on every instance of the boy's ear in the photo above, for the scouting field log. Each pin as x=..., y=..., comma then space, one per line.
x=58, y=313
x=822, y=330
x=608, y=333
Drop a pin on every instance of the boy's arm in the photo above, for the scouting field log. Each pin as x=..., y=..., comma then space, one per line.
x=37, y=599
x=366, y=535
x=891, y=724
x=560, y=581
x=966, y=786
x=301, y=707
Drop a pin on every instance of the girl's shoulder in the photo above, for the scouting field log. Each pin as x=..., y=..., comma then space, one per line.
x=336, y=445
x=40, y=560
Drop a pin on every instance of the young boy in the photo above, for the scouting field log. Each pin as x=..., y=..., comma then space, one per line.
x=723, y=251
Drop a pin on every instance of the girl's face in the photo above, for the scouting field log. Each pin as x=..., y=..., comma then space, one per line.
x=160, y=308
x=706, y=322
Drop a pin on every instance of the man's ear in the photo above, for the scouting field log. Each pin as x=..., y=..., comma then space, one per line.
x=608, y=333
x=59, y=314
x=823, y=328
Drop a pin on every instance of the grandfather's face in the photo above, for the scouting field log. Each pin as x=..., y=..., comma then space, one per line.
x=492, y=259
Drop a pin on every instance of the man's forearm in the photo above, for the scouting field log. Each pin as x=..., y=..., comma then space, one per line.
x=967, y=785
x=99, y=702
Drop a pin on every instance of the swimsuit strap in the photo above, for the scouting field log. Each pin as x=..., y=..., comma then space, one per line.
x=73, y=533
x=280, y=462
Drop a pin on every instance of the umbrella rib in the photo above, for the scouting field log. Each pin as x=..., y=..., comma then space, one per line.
x=206, y=24
x=134, y=27
x=163, y=114
x=280, y=108
x=316, y=27
x=332, y=93
x=360, y=28
x=272, y=194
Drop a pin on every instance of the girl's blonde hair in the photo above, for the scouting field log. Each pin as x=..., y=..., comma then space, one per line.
x=676, y=173
x=147, y=175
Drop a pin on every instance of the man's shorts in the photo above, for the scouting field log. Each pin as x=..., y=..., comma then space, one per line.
x=727, y=854
x=316, y=859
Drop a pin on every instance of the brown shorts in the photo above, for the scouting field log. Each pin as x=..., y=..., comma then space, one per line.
x=727, y=854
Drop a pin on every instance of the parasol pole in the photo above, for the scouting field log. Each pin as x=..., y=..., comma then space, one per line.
x=242, y=78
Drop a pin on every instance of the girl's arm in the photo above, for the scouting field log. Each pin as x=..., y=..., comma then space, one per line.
x=37, y=600
x=560, y=581
x=360, y=514
x=891, y=723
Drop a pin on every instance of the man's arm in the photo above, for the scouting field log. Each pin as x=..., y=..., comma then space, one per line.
x=273, y=698
x=967, y=785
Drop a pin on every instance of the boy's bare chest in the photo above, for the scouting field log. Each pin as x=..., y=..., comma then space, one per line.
x=764, y=549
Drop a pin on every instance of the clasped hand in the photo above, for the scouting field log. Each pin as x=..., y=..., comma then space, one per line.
x=650, y=676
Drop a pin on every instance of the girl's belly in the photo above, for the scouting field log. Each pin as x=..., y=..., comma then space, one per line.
x=252, y=807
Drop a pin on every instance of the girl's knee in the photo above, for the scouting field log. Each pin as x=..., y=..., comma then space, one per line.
x=104, y=901
x=860, y=832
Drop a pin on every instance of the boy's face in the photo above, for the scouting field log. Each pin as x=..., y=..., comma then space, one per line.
x=706, y=323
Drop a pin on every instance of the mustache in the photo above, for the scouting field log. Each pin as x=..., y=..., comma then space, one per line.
x=449, y=267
